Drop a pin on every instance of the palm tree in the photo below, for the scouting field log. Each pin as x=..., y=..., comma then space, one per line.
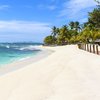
x=77, y=25
x=63, y=35
x=97, y=1
x=71, y=24
x=54, y=31
x=86, y=35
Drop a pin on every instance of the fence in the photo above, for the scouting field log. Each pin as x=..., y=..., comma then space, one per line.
x=92, y=48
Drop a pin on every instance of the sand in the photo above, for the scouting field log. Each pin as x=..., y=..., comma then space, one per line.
x=66, y=74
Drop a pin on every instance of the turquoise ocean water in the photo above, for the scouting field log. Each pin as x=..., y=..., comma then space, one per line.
x=10, y=52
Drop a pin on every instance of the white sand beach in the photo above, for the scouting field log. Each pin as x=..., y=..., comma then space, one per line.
x=66, y=74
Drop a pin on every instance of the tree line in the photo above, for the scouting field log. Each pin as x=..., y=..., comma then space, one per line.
x=75, y=32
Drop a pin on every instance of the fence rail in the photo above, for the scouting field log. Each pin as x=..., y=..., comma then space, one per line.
x=92, y=48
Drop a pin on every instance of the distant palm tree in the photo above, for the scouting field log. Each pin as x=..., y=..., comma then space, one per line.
x=57, y=31
x=77, y=25
x=54, y=31
x=71, y=24
x=63, y=35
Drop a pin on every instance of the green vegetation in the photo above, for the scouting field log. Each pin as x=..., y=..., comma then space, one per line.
x=49, y=40
x=75, y=32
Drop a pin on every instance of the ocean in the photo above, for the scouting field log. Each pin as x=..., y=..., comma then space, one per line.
x=10, y=52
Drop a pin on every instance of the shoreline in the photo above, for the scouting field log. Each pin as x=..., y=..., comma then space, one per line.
x=23, y=62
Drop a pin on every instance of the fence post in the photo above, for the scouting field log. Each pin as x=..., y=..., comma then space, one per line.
x=87, y=47
x=93, y=48
x=97, y=49
x=90, y=48
x=82, y=46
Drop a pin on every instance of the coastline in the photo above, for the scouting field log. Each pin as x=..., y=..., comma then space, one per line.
x=21, y=63
x=68, y=73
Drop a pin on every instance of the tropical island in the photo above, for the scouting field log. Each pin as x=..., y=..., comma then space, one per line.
x=57, y=71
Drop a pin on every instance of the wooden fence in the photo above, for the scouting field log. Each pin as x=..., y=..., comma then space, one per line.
x=92, y=48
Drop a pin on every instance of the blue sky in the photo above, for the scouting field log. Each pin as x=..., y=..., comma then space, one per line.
x=31, y=20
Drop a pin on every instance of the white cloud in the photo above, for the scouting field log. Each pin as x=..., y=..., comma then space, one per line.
x=76, y=8
x=2, y=7
x=23, y=31
x=23, y=26
x=51, y=7
x=48, y=7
